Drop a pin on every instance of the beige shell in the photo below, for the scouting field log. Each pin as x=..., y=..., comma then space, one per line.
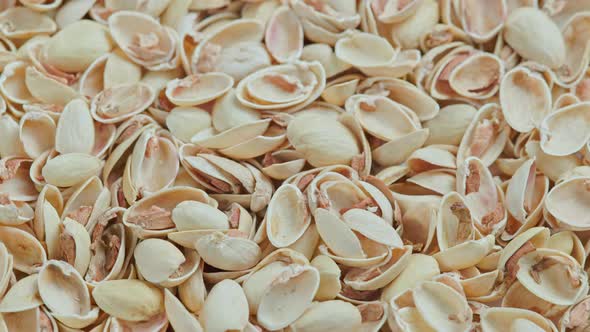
x=452, y=315
x=325, y=55
x=23, y=295
x=482, y=197
x=37, y=133
x=152, y=151
x=198, y=89
x=23, y=22
x=532, y=34
x=194, y=215
x=380, y=275
x=524, y=198
x=325, y=316
x=477, y=77
x=27, y=252
x=575, y=316
x=323, y=141
x=394, y=11
x=180, y=318
x=144, y=40
x=524, y=89
x=121, y=102
x=514, y=319
x=577, y=53
x=129, y=299
x=540, y=270
x=566, y=203
x=482, y=21
x=186, y=122
x=64, y=293
x=153, y=215
x=557, y=139
x=171, y=269
x=485, y=137
x=110, y=243
x=329, y=278
x=75, y=130
x=284, y=35
x=226, y=47
x=287, y=217
x=93, y=41
x=226, y=308
x=228, y=252
x=266, y=290
x=70, y=169
x=287, y=87
x=351, y=50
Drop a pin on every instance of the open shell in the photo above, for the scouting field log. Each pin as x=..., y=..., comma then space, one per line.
x=64, y=293
x=144, y=40
x=557, y=138
x=226, y=48
x=566, y=203
x=525, y=98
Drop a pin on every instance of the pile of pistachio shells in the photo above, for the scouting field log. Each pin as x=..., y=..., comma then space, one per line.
x=294, y=165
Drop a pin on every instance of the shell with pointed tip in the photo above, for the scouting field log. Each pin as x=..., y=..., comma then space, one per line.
x=559, y=137
x=144, y=40
x=121, y=102
x=226, y=308
x=23, y=22
x=565, y=202
x=129, y=299
x=234, y=48
x=65, y=294
x=152, y=215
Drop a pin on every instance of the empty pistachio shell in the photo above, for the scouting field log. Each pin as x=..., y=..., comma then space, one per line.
x=225, y=308
x=131, y=300
x=93, y=40
x=522, y=31
x=69, y=169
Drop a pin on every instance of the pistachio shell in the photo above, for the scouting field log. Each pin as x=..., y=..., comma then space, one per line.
x=287, y=217
x=69, y=169
x=226, y=308
x=93, y=40
x=131, y=300
x=558, y=139
x=75, y=130
x=522, y=31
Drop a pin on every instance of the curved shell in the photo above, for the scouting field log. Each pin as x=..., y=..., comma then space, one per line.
x=577, y=50
x=483, y=20
x=129, y=299
x=525, y=98
x=284, y=35
x=75, y=122
x=528, y=30
x=478, y=77
x=153, y=215
x=514, y=319
x=486, y=135
x=23, y=295
x=226, y=308
x=352, y=50
x=198, y=89
x=566, y=202
x=225, y=49
x=287, y=87
x=557, y=138
x=544, y=272
x=64, y=293
x=227, y=252
x=453, y=314
x=70, y=169
x=23, y=22
x=287, y=217
x=160, y=262
x=144, y=40
x=121, y=102
x=27, y=252
x=278, y=277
